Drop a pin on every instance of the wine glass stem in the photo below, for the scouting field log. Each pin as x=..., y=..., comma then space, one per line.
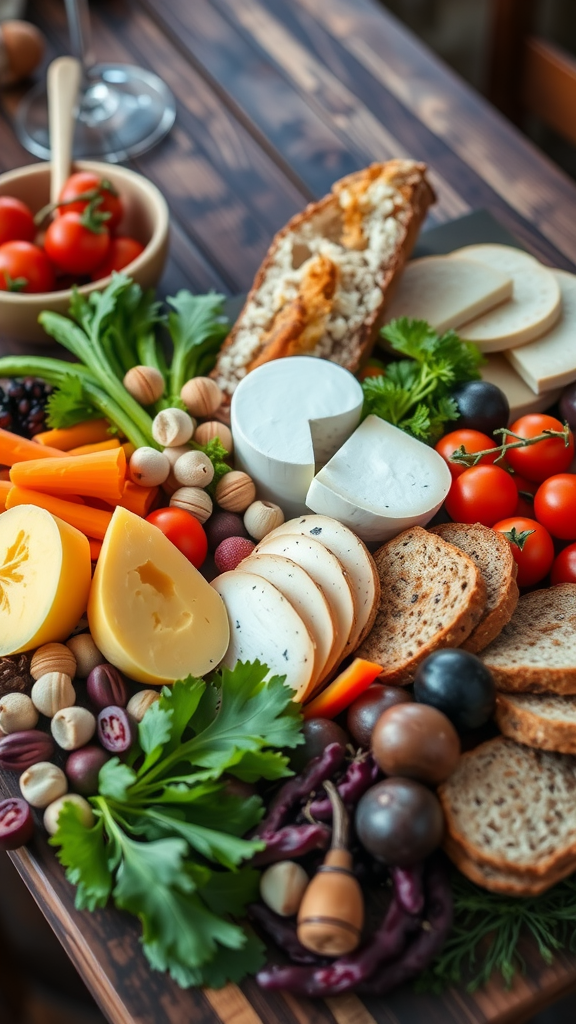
x=79, y=26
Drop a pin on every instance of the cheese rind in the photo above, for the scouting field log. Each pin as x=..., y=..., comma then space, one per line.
x=550, y=361
x=522, y=400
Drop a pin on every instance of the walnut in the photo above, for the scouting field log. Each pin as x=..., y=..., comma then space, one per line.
x=15, y=674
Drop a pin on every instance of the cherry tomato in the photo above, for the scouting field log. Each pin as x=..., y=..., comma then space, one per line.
x=526, y=491
x=472, y=440
x=545, y=458
x=483, y=494
x=183, y=530
x=25, y=268
x=121, y=252
x=564, y=567
x=86, y=181
x=555, y=505
x=74, y=246
x=532, y=548
x=16, y=221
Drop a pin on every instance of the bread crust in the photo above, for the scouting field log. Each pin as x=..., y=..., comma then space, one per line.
x=501, y=881
x=525, y=726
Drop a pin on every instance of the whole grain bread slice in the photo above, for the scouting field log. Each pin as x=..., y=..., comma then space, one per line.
x=493, y=555
x=546, y=721
x=432, y=595
x=536, y=651
x=511, y=808
x=503, y=882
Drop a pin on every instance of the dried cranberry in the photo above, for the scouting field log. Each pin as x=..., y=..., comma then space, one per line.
x=16, y=823
x=115, y=730
x=106, y=687
x=82, y=768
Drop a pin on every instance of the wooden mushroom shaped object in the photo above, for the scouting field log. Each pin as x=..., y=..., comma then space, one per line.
x=331, y=914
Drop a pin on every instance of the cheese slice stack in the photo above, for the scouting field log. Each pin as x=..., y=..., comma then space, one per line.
x=550, y=361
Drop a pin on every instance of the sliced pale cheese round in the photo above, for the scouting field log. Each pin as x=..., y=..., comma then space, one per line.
x=550, y=361
x=521, y=398
x=331, y=577
x=264, y=626
x=353, y=555
x=305, y=596
x=533, y=309
x=448, y=291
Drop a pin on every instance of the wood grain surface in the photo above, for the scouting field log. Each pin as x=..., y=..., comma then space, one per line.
x=276, y=99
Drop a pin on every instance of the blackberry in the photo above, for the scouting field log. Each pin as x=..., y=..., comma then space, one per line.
x=23, y=406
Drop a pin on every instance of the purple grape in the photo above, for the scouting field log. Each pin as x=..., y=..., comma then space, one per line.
x=568, y=406
x=16, y=823
x=106, y=687
x=82, y=768
x=115, y=730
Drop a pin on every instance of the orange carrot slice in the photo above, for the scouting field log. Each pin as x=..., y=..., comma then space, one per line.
x=5, y=487
x=65, y=438
x=343, y=690
x=95, y=548
x=101, y=446
x=19, y=449
x=101, y=475
x=91, y=521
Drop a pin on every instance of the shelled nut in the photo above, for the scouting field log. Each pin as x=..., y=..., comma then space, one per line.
x=145, y=384
x=86, y=653
x=208, y=431
x=261, y=517
x=17, y=713
x=193, y=500
x=138, y=704
x=73, y=727
x=172, y=427
x=201, y=396
x=193, y=469
x=53, y=658
x=43, y=783
x=235, y=491
x=173, y=454
x=282, y=887
x=149, y=467
x=52, y=812
x=52, y=692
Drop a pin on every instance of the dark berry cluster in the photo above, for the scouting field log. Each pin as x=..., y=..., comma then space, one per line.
x=23, y=406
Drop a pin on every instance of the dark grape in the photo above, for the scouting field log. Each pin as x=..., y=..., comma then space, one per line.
x=23, y=406
x=115, y=730
x=16, y=823
x=568, y=406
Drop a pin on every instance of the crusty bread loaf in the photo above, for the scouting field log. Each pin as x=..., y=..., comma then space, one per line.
x=322, y=287
x=432, y=595
x=536, y=651
x=511, y=808
x=493, y=556
x=546, y=721
x=503, y=882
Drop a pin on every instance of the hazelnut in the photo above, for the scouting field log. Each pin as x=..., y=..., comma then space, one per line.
x=52, y=692
x=138, y=704
x=149, y=467
x=173, y=454
x=235, y=491
x=282, y=887
x=193, y=500
x=172, y=427
x=17, y=713
x=201, y=396
x=73, y=727
x=52, y=812
x=86, y=653
x=208, y=431
x=145, y=384
x=194, y=469
x=261, y=517
x=43, y=783
x=53, y=658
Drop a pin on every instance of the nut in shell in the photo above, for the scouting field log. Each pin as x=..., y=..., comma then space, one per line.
x=145, y=384
x=42, y=783
x=193, y=500
x=172, y=427
x=201, y=396
x=53, y=658
x=52, y=692
x=138, y=704
x=17, y=713
x=212, y=428
x=52, y=812
x=86, y=653
x=235, y=491
x=194, y=469
x=149, y=467
x=261, y=517
x=73, y=727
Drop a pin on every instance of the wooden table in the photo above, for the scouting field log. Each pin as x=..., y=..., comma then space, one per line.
x=276, y=99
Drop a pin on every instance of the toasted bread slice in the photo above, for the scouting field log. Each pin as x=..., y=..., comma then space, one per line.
x=493, y=556
x=536, y=651
x=432, y=595
x=324, y=282
x=511, y=807
x=546, y=721
x=503, y=882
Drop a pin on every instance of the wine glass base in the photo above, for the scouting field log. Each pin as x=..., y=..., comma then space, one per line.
x=123, y=112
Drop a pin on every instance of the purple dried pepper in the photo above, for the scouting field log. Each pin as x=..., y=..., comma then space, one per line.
x=361, y=773
x=292, y=841
x=20, y=750
x=106, y=687
x=16, y=823
x=283, y=933
x=408, y=886
x=301, y=786
x=115, y=730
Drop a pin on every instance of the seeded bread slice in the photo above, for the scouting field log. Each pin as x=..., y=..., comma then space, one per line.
x=492, y=554
x=503, y=881
x=432, y=595
x=546, y=721
x=511, y=807
x=536, y=651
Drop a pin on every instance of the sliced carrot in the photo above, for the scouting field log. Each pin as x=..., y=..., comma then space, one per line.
x=138, y=499
x=101, y=446
x=95, y=548
x=65, y=438
x=343, y=690
x=90, y=521
x=19, y=449
x=4, y=474
x=5, y=487
x=101, y=475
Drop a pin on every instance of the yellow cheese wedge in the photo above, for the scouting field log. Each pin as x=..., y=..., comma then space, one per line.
x=44, y=578
x=151, y=613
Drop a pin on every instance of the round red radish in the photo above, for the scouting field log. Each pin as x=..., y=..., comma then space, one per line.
x=231, y=551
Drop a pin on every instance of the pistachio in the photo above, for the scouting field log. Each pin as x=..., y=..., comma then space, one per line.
x=138, y=704
x=53, y=658
x=17, y=712
x=235, y=491
x=282, y=887
x=261, y=517
x=52, y=692
x=86, y=653
x=52, y=812
x=210, y=429
x=201, y=396
x=42, y=783
x=172, y=427
x=193, y=500
x=149, y=467
x=73, y=727
x=194, y=469
x=145, y=384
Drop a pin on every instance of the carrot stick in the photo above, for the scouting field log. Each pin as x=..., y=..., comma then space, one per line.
x=4, y=474
x=65, y=438
x=138, y=499
x=19, y=449
x=100, y=446
x=101, y=475
x=5, y=487
x=95, y=548
x=90, y=521
x=343, y=690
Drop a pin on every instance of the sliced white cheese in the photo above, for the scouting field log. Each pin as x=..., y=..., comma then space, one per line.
x=382, y=481
x=305, y=596
x=448, y=291
x=533, y=309
x=353, y=555
x=521, y=398
x=550, y=362
x=288, y=417
x=265, y=626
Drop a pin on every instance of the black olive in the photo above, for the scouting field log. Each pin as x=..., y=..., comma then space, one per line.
x=365, y=711
x=318, y=733
x=459, y=684
x=399, y=821
x=482, y=406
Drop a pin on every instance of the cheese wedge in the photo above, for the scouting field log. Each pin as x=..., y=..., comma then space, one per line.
x=550, y=361
x=382, y=481
x=535, y=305
x=288, y=417
x=521, y=398
x=448, y=291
